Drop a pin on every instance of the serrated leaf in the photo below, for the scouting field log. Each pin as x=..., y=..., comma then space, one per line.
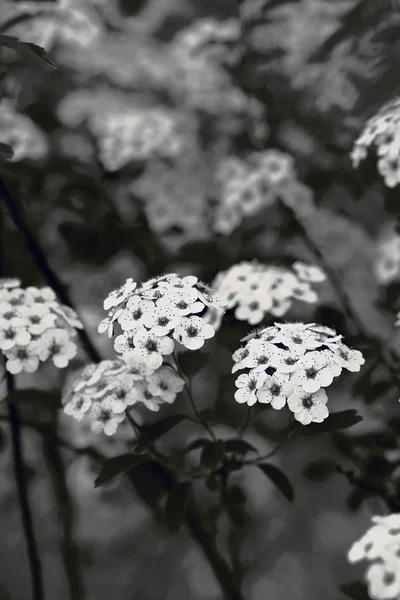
x=117, y=465
x=279, y=479
x=338, y=420
x=239, y=446
x=176, y=505
x=151, y=433
x=192, y=362
x=212, y=455
x=355, y=590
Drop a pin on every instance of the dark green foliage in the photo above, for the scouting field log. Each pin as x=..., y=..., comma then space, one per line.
x=117, y=465
x=279, y=479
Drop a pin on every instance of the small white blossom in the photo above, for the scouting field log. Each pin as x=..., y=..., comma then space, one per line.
x=313, y=372
x=11, y=336
x=192, y=332
x=308, y=407
x=165, y=382
x=103, y=419
x=352, y=360
x=78, y=407
x=117, y=297
x=150, y=348
x=309, y=273
x=39, y=318
x=56, y=344
x=22, y=358
x=135, y=313
x=162, y=320
x=275, y=390
x=248, y=385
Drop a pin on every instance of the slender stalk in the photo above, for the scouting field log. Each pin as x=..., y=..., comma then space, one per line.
x=23, y=496
x=246, y=421
x=20, y=221
x=188, y=389
x=254, y=461
x=69, y=549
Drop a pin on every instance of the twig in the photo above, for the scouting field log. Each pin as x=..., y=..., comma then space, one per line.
x=246, y=421
x=40, y=259
x=23, y=497
x=69, y=549
x=258, y=459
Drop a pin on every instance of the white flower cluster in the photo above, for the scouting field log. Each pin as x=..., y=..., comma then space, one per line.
x=255, y=290
x=124, y=132
x=211, y=39
x=35, y=327
x=17, y=130
x=380, y=546
x=102, y=392
x=243, y=189
x=154, y=316
x=382, y=131
x=292, y=363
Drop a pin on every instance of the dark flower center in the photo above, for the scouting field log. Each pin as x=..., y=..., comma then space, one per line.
x=297, y=340
x=137, y=314
x=9, y=334
x=55, y=348
x=34, y=319
x=151, y=346
x=290, y=360
x=148, y=395
x=307, y=402
x=311, y=373
x=121, y=394
x=192, y=331
x=254, y=305
x=9, y=315
x=162, y=321
x=388, y=578
x=22, y=354
x=275, y=389
x=163, y=386
x=182, y=304
x=105, y=416
x=262, y=360
x=252, y=384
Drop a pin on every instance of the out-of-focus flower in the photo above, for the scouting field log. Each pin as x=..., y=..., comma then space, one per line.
x=380, y=547
x=34, y=327
x=255, y=290
x=156, y=315
x=245, y=187
x=292, y=363
x=17, y=130
x=387, y=261
x=102, y=393
x=382, y=132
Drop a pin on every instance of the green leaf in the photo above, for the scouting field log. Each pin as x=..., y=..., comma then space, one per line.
x=212, y=455
x=279, y=479
x=355, y=590
x=337, y=420
x=151, y=433
x=192, y=362
x=195, y=445
x=319, y=470
x=176, y=505
x=117, y=465
x=239, y=446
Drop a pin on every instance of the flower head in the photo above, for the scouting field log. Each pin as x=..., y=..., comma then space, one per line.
x=296, y=361
x=157, y=315
x=380, y=547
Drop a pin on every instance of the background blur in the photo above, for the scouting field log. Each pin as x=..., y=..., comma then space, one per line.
x=115, y=159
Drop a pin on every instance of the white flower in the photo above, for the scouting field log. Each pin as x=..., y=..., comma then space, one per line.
x=56, y=344
x=118, y=296
x=9, y=282
x=185, y=302
x=15, y=297
x=259, y=356
x=44, y=295
x=22, y=358
x=303, y=292
x=135, y=313
x=297, y=340
x=248, y=385
x=162, y=320
x=275, y=390
x=252, y=311
x=309, y=273
x=308, y=407
x=313, y=372
x=39, y=318
x=68, y=314
x=124, y=343
x=165, y=382
x=141, y=394
x=352, y=360
x=120, y=393
x=285, y=361
x=12, y=314
x=384, y=580
x=103, y=419
x=78, y=406
x=11, y=336
x=107, y=324
x=150, y=349
x=192, y=332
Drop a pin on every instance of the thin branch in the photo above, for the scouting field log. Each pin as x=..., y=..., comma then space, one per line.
x=254, y=461
x=69, y=549
x=20, y=221
x=23, y=497
x=246, y=421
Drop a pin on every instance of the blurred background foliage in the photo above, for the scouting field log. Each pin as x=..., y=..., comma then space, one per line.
x=116, y=159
